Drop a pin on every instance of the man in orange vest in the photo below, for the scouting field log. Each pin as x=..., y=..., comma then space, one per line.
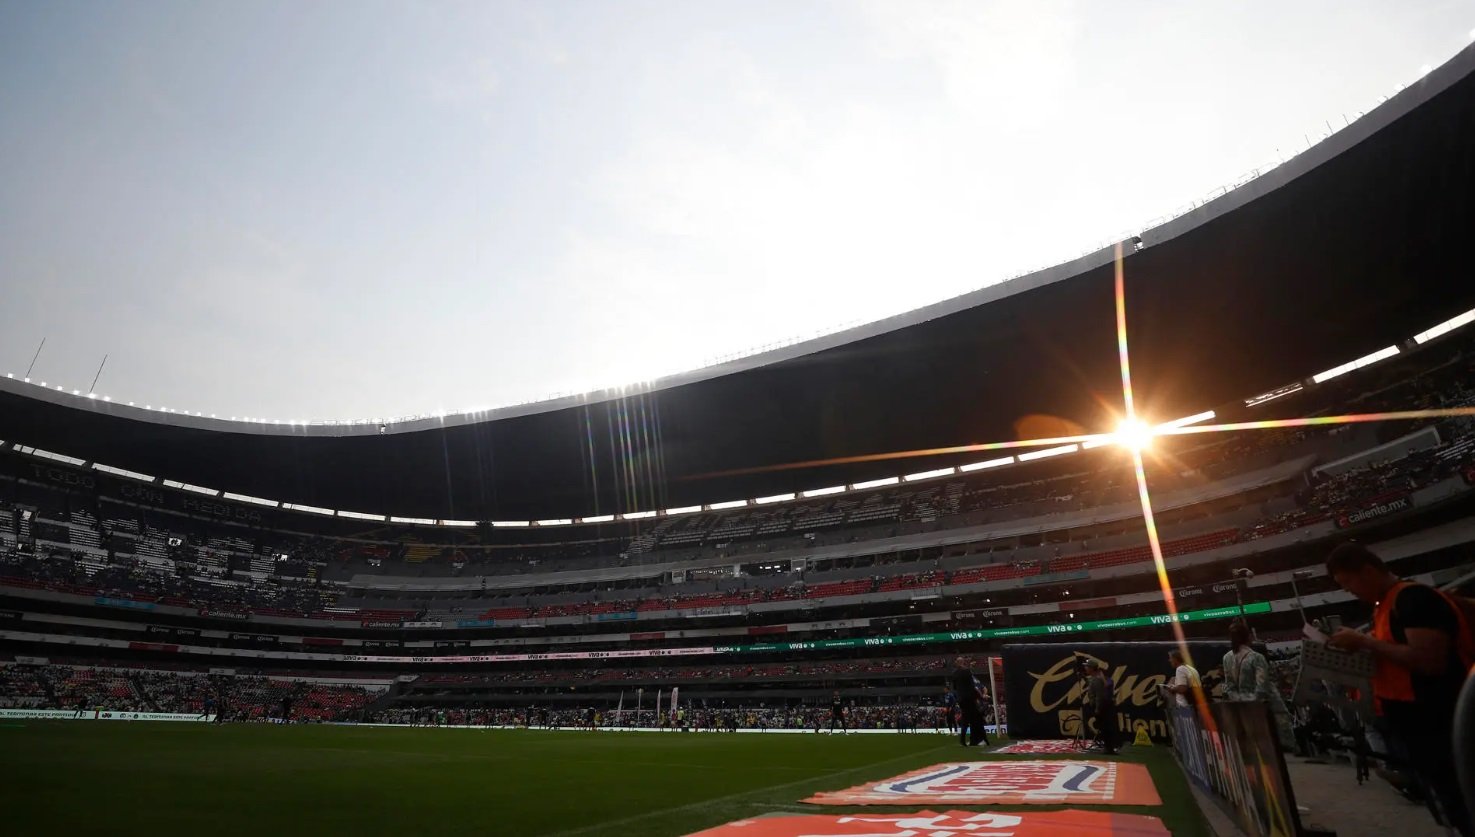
x=1423, y=646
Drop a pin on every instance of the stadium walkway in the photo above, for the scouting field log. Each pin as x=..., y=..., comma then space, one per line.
x=1337, y=803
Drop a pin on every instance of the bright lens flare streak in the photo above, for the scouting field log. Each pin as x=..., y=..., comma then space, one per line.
x=1355, y=418
x=1131, y=421
x=909, y=454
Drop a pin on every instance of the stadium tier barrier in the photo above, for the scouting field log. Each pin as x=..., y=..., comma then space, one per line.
x=99, y=715
x=991, y=728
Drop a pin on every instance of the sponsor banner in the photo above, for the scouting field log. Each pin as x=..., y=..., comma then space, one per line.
x=11, y=616
x=222, y=671
x=452, y=643
x=217, y=508
x=1371, y=512
x=713, y=611
x=1042, y=747
x=1224, y=587
x=320, y=640
x=424, y=624
x=1002, y=633
x=125, y=603
x=153, y=646
x=1046, y=693
x=1054, y=782
x=644, y=635
x=182, y=633
x=382, y=643
x=982, y=613
x=1188, y=592
x=520, y=658
x=33, y=661
x=886, y=623
x=1237, y=759
x=264, y=639
x=63, y=476
x=619, y=616
x=1066, y=823
x=382, y=623
x=95, y=715
x=222, y=614
x=761, y=630
x=475, y=623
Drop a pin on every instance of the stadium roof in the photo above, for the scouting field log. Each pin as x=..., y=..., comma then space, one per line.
x=1354, y=245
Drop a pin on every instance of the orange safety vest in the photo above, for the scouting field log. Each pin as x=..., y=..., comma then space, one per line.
x=1394, y=682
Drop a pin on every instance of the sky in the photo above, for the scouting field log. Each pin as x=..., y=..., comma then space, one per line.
x=340, y=210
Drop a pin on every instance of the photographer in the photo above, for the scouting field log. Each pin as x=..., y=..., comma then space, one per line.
x=1101, y=702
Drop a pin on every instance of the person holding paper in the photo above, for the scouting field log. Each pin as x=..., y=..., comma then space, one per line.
x=1423, y=646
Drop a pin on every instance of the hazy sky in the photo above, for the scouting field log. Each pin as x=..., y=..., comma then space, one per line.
x=341, y=209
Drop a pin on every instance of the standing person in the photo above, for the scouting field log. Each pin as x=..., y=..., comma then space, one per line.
x=1422, y=643
x=1101, y=693
x=286, y=709
x=950, y=708
x=1247, y=678
x=970, y=730
x=837, y=713
x=1184, y=681
x=983, y=699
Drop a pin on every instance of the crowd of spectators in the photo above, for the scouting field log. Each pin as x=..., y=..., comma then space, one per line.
x=1329, y=495
x=130, y=578
x=906, y=716
x=677, y=674
x=245, y=697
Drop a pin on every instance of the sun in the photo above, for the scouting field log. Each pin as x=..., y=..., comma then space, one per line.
x=1134, y=434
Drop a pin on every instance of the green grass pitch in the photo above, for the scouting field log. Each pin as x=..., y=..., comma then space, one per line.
x=118, y=778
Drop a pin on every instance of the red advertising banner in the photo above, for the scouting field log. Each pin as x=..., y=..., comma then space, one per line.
x=1048, y=746
x=960, y=823
x=1022, y=782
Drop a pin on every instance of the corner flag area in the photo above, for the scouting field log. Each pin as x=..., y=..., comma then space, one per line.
x=146, y=778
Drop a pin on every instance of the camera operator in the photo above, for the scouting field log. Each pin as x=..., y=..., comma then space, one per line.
x=1101, y=699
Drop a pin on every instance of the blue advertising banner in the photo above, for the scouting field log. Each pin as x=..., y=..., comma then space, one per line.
x=127, y=603
x=620, y=616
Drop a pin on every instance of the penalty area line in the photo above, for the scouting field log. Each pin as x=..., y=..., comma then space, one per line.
x=732, y=797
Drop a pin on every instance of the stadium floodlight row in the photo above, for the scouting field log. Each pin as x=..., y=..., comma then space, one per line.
x=820, y=522
x=932, y=474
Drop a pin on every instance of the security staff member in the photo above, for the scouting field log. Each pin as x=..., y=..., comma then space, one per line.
x=970, y=732
x=1423, y=646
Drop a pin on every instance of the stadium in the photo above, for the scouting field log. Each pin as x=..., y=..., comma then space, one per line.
x=627, y=595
